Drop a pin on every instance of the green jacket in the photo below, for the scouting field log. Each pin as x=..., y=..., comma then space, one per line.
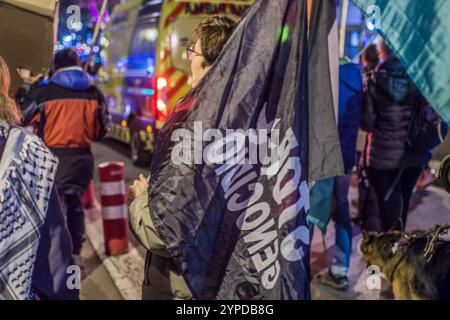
x=161, y=281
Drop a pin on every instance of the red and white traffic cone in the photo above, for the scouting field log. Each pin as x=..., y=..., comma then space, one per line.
x=114, y=207
x=89, y=196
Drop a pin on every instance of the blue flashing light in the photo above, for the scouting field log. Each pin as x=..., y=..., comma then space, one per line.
x=67, y=38
x=148, y=92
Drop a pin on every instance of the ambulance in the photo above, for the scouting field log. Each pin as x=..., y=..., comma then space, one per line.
x=146, y=70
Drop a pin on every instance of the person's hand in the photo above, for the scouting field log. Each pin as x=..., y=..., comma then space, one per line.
x=137, y=188
x=26, y=76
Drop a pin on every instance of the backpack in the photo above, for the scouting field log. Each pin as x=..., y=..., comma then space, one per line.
x=426, y=128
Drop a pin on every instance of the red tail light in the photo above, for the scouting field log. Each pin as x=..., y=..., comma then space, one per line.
x=160, y=108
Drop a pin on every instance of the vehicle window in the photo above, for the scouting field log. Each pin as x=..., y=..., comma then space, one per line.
x=150, y=7
x=145, y=37
x=143, y=46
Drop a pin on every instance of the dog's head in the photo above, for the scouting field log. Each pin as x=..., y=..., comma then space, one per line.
x=379, y=248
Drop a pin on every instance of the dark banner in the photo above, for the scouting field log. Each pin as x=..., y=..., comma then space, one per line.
x=228, y=185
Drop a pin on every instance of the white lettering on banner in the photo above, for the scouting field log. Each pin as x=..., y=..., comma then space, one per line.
x=243, y=192
x=114, y=212
x=270, y=276
x=291, y=245
x=112, y=188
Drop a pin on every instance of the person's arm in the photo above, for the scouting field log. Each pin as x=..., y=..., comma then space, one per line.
x=368, y=114
x=24, y=96
x=143, y=228
x=32, y=113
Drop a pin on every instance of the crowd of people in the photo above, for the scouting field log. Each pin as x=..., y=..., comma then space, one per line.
x=384, y=105
x=378, y=108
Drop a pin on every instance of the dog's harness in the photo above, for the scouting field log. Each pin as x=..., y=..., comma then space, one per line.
x=432, y=236
x=399, y=249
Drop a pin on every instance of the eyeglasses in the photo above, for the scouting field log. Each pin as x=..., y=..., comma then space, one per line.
x=191, y=53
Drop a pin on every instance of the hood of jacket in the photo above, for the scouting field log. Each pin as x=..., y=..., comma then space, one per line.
x=73, y=78
x=392, y=79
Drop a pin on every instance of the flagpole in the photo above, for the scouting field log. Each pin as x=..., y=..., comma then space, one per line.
x=96, y=32
x=343, y=28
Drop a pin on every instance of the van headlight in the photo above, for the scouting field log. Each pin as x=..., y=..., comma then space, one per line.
x=444, y=173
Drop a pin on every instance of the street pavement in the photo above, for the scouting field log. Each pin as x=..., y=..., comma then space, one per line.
x=96, y=283
x=428, y=208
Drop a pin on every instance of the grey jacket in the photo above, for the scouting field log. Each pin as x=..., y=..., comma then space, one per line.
x=161, y=280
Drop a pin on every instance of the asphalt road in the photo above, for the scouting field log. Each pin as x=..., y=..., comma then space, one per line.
x=97, y=283
x=113, y=150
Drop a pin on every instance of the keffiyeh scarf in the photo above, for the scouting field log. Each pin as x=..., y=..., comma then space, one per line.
x=27, y=172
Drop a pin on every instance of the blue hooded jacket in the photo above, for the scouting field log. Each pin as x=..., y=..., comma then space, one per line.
x=73, y=78
x=350, y=101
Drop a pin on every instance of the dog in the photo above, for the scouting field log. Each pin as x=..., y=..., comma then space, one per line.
x=416, y=264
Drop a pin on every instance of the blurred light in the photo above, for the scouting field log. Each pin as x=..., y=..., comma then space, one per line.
x=174, y=40
x=148, y=92
x=370, y=25
x=161, y=106
x=283, y=33
x=67, y=38
x=96, y=49
x=77, y=26
x=127, y=110
x=354, y=39
x=162, y=83
x=151, y=34
x=149, y=129
x=124, y=123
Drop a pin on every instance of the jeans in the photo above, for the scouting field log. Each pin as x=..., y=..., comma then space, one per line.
x=343, y=224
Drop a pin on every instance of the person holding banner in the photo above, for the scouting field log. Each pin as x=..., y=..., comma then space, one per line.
x=162, y=281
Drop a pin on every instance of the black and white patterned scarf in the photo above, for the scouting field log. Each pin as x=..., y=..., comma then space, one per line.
x=27, y=173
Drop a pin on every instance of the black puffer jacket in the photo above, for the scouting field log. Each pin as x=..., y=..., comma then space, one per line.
x=387, y=109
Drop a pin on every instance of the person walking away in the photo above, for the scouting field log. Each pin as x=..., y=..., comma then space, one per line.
x=161, y=280
x=367, y=200
x=68, y=114
x=394, y=166
x=350, y=98
x=35, y=245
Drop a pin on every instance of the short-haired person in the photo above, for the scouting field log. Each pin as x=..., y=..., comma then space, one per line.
x=68, y=114
x=161, y=281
